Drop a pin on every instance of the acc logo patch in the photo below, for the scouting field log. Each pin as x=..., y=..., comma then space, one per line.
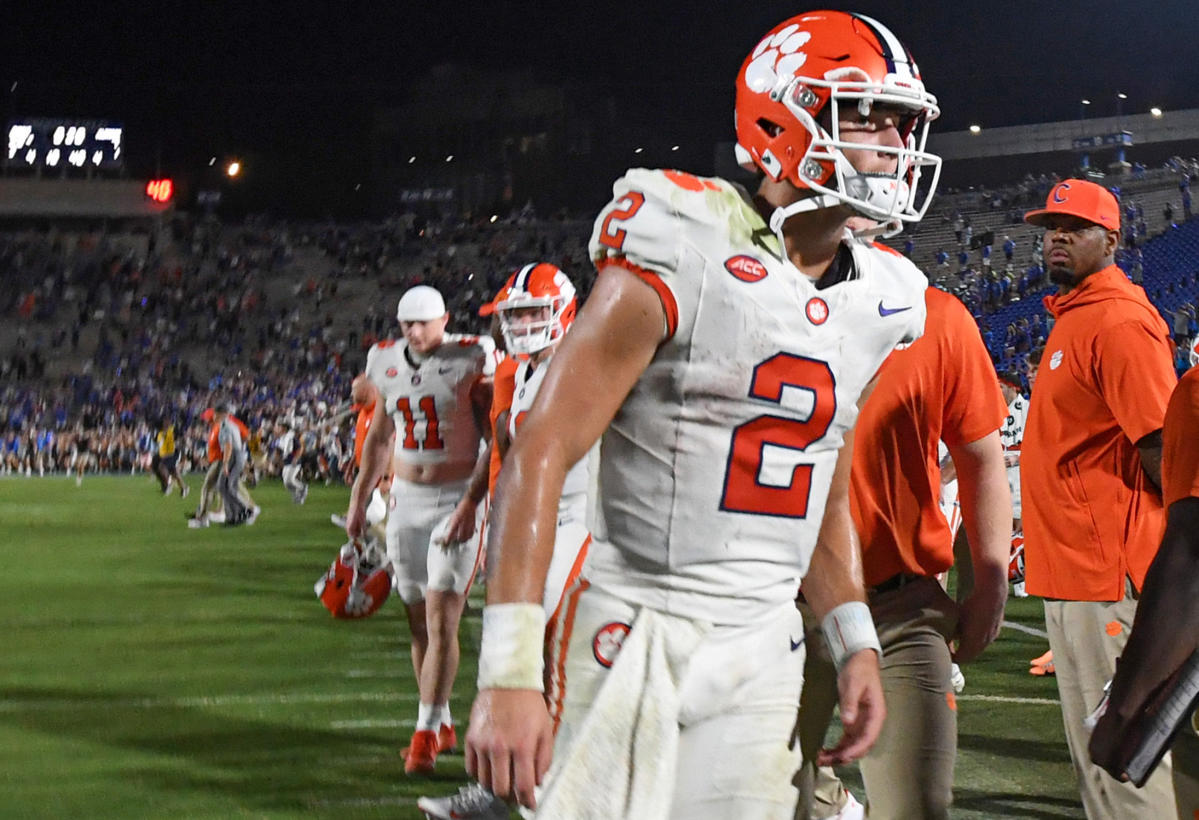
x=817, y=310
x=392, y=372
x=746, y=268
x=1055, y=360
x=607, y=642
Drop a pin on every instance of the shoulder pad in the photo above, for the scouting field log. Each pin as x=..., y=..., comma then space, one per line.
x=653, y=212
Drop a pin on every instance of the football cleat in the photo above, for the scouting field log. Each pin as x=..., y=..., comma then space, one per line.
x=472, y=802
x=1043, y=665
x=358, y=582
x=421, y=755
x=447, y=739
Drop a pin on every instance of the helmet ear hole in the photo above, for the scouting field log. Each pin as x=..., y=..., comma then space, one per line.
x=772, y=129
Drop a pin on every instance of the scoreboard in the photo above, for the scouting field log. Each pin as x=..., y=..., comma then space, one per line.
x=64, y=144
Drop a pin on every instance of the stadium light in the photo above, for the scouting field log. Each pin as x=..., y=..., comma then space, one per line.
x=211, y=161
x=975, y=128
x=1155, y=111
x=411, y=160
x=674, y=148
x=449, y=158
x=233, y=169
x=638, y=150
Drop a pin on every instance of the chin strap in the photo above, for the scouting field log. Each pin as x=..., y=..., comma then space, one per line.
x=785, y=212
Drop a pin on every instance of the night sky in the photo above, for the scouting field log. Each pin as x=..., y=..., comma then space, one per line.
x=200, y=79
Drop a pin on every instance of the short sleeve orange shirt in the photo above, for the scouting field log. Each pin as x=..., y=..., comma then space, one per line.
x=1180, y=441
x=362, y=425
x=1091, y=514
x=501, y=400
x=942, y=387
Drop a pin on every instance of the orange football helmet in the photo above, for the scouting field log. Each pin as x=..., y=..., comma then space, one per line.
x=358, y=582
x=537, y=285
x=790, y=94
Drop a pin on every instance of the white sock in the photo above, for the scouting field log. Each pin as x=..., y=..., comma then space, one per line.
x=426, y=718
x=443, y=715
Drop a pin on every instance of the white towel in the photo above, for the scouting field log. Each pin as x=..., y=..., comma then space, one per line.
x=621, y=762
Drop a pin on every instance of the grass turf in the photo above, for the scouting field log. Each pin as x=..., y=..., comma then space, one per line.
x=150, y=670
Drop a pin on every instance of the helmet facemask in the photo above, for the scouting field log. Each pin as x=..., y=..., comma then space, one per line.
x=527, y=336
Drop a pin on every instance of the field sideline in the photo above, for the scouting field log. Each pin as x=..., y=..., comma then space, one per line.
x=154, y=671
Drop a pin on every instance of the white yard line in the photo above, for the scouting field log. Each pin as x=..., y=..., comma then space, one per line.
x=1028, y=630
x=373, y=724
x=1007, y=699
x=91, y=704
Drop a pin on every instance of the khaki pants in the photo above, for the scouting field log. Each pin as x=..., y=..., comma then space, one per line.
x=1186, y=769
x=909, y=772
x=1086, y=637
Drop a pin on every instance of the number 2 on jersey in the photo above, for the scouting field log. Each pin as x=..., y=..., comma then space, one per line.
x=743, y=489
x=626, y=206
x=428, y=408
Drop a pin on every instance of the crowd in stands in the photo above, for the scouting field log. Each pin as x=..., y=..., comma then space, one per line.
x=107, y=334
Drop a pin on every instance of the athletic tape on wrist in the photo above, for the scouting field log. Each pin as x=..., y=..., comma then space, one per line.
x=511, y=654
x=849, y=628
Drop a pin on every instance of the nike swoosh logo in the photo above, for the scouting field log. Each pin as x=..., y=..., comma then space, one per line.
x=796, y=644
x=886, y=311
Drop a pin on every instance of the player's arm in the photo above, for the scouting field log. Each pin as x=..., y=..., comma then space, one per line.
x=1150, y=449
x=376, y=460
x=461, y=525
x=597, y=364
x=1164, y=633
x=986, y=504
x=834, y=589
x=502, y=441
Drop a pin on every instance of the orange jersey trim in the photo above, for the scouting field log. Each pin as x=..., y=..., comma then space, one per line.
x=654, y=281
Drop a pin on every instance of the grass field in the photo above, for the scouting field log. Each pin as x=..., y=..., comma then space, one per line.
x=150, y=670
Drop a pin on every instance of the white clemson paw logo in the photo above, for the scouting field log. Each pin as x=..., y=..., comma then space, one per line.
x=777, y=56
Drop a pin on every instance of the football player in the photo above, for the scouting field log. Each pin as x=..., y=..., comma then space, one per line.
x=364, y=398
x=535, y=309
x=722, y=356
x=435, y=390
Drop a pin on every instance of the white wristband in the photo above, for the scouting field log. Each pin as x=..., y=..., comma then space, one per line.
x=849, y=628
x=511, y=655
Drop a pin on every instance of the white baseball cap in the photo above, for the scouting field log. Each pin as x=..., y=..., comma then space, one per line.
x=420, y=304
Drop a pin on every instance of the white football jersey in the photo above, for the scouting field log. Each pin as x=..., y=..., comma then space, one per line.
x=714, y=473
x=430, y=401
x=528, y=382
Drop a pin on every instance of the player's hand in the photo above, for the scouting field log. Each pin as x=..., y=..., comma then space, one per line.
x=510, y=743
x=461, y=524
x=979, y=619
x=1105, y=747
x=355, y=521
x=860, y=689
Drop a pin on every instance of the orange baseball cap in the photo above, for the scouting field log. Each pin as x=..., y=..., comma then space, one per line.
x=1081, y=198
x=207, y=415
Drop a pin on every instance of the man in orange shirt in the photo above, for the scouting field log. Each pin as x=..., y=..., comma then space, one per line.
x=1166, y=630
x=943, y=387
x=364, y=397
x=1090, y=471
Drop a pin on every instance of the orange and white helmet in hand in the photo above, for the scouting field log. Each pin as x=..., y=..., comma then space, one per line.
x=535, y=308
x=794, y=89
x=358, y=581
